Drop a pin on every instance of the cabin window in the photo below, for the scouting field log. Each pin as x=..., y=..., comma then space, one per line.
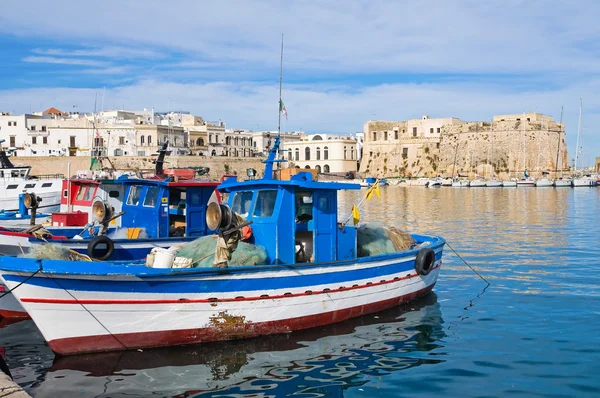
x=29, y=185
x=151, y=196
x=241, y=202
x=113, y=194
x=12, y=187
x=134, y=195
x=303, y=207
x=324, y=204
x=80, y=193
x=89, y=194
x=265, y=203
x=46, y=184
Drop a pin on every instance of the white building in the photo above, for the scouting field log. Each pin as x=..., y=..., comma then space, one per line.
x=328, y=153
x=263, y=140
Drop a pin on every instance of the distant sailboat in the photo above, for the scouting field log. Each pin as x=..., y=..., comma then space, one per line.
x=582, y=180
x=492, y=182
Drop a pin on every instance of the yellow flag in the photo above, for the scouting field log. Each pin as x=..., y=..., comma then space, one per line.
x=374, y=188
x=355, y=215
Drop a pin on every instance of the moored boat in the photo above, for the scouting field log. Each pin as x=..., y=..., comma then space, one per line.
x=563, y=182
x=313, y=275
x=17, y=180
x=585, y=181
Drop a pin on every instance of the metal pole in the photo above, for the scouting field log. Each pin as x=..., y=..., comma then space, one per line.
x=559, y=137
x=280, y=84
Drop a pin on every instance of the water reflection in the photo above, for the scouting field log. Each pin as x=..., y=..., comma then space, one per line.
x=314, y=363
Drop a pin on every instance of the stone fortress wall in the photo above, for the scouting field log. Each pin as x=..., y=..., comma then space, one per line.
x=428, y=147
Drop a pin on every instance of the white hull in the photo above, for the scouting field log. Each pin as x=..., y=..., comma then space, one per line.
x=460, y=184
x=493, y=183
x=544, y=182
x=477, y=183
x=563, y=183
x=585, y=182
x=86, y=320
x=509, y=183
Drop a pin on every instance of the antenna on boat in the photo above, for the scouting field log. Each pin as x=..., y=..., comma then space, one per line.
x=268, y=175
x=279, y=104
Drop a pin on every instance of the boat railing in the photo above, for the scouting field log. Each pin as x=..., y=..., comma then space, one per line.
x=56, y=176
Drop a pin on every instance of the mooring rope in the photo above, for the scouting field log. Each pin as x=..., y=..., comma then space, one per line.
x=467, y=264
x=20, y=283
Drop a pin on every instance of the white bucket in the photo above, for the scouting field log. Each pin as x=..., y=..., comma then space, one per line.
x=163, y=258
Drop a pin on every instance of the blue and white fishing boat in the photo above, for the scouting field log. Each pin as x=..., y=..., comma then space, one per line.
x=153, y=213
x=312, y=276
x=122, y=219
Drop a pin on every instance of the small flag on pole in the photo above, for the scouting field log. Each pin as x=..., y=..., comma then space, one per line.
x=374, y=189
x=355, y=215
x=282, y=108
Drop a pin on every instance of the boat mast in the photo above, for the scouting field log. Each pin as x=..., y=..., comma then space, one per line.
x=558, y=149
x=280, y=84
x=578, y=133
x=454, y=164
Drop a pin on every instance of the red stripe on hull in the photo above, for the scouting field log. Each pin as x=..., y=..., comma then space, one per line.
x=220, y=331
x=220, y=300
x=13, y=314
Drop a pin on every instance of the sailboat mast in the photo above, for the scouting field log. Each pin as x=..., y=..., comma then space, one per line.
x=492, y=159
x=280, y=84
x=559, y=138
x=454, y=164
x=578, y=133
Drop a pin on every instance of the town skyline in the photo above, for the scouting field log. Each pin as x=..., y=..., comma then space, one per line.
x=343, y=66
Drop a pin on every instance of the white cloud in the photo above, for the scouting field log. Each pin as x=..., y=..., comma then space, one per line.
x=64, y=61
x=360, y=36
x=102, y=52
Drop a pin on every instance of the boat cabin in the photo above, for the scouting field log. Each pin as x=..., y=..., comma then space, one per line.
x=78, y=196
x=167, y=208
x=294, y=220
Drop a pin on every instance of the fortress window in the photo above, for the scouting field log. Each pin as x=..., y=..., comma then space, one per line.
x=396, y=134
x=414, y=131
x=438, y=130
x=318, y=153
x=374, y=135
x=405, y=151
x=297, y=154
x=307, y=153
x=325, y=153
x=385, y=136
x=431, y=130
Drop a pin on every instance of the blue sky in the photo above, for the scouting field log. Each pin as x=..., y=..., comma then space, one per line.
x=344, y=62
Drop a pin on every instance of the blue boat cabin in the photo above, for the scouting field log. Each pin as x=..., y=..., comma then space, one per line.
x=294, y=220
x=166, y=208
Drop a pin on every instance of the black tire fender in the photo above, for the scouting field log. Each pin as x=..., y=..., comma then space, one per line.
x=105, y=254
x=425, y=261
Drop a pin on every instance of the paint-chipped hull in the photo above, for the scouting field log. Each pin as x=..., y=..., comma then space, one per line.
x=114, y=310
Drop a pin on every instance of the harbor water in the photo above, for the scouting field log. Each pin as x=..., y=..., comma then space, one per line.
x=534, y=331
